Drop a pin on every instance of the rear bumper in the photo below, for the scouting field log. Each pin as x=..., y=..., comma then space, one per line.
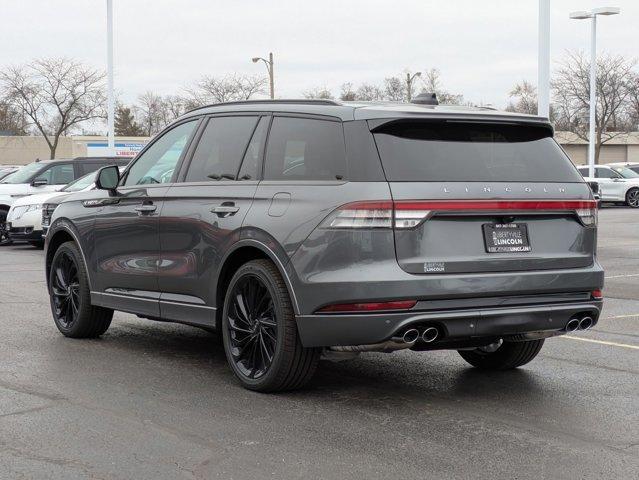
x=457, y=325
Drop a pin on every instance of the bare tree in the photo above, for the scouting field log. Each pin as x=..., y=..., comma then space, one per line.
x=12, y=120
x=433, y=84
x=318, y=93
x=523, y=98
x=395, y=89
x=369, y=92
x=149, y=110
x=347, y=93
x=571, y=88
x=226, y=89
x=55, y=95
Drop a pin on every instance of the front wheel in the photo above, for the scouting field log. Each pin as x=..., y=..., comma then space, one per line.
x=632, y=198
x=70, y=296
x=259, y=331
x=508, y=355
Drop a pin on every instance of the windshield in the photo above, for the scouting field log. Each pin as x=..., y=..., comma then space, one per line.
x=24, y=174
x=441, y=151
x=80, y=184
x=626, y=172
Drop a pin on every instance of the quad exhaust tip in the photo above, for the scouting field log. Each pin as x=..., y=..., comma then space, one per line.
x=411, y=335
x=585, y=323
x=430, y=334
x=572, y=325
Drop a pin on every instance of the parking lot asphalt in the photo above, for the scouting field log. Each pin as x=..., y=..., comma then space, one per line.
x=151, y=400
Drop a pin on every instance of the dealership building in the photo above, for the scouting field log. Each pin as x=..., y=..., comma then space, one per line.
x=15, y=150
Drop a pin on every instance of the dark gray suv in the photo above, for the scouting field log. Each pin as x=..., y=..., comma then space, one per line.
x=302, y=228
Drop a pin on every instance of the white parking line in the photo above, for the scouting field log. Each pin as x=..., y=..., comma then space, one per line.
x=612, y=344
x=632, y=315
x=622, y=276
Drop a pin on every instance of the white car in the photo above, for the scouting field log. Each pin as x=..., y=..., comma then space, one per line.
x=24, y=220
x=616, y=183
x=634, y=166
x=46, y=176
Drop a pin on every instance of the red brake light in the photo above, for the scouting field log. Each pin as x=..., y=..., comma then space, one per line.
x=597, y=294
x=369, y=306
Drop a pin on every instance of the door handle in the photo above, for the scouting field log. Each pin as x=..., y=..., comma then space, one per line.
x=145, y=209
x=225, y=210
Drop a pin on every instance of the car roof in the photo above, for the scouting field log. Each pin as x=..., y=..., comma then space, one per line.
x=347, y=111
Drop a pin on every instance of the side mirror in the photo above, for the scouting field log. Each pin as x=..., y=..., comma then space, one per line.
x=108, y=178
x=39, y=182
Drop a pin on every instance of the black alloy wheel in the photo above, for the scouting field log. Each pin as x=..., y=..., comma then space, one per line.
x=65, y=290
x=632, y=198
x=252, y=327
x=259, y=331
x=70, y=296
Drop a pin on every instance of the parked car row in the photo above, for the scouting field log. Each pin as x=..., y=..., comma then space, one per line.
x=40, y=177
x=616, y=182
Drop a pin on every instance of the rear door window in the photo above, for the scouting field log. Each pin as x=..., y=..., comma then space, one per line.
x=446, y=151
x=220, y=150
x=58, y=174
x=305, y=149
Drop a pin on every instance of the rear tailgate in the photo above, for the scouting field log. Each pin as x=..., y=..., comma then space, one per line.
x=473, y=198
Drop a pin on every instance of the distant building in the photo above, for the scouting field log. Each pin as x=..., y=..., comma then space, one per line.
x=17, y=150
x=622, y=148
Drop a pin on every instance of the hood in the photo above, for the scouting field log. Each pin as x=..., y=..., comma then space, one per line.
x=9, y=192
x=36, y=199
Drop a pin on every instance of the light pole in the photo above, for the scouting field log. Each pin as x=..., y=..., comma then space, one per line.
x=543, y=66
x=269, y=67
x=409, y=83
x=592, y=15
x=110, y=95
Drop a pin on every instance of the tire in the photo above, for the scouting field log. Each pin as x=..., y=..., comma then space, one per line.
x=4, y=235
x=508, y=355
x=632, y=198
x=70, y=296
x=258, y=314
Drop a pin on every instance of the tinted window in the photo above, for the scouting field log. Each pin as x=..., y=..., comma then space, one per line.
x=606, y=173
x=220, y=149
x=584, y=172
x=305, y=149
x=251, y=161
x=466, y=152
x=57, y=174
x=156, y=165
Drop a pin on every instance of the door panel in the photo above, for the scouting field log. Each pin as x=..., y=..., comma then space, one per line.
x=199, y=223
x=127, y=243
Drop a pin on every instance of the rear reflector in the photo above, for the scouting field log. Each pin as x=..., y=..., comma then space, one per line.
x=597, y=294
x=369, y=306
x=405, y=214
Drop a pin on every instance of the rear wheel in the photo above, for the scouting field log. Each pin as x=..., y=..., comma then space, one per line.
x=259, y=332
x=632, y=198
x=508, y=355
x=71, y=297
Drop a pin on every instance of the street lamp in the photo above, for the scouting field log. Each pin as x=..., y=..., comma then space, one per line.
x=592, y=15
x=269, y=67
x=409, y=83
x=543, y=60
x=110, y=94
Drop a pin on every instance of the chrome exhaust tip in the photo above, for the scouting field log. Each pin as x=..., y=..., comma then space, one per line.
x=430, y=334
x=411, y=335
x=585, y=323
x=572, y=325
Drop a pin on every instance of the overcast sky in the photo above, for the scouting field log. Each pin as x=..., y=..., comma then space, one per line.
x=481, y=48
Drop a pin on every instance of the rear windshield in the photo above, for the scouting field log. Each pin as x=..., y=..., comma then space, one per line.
x=444, y=151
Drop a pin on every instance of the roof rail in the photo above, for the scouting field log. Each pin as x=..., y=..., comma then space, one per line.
x=288, y=101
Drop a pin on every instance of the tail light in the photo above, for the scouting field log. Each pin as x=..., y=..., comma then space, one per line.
x=406, y=214
x=597, y=294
